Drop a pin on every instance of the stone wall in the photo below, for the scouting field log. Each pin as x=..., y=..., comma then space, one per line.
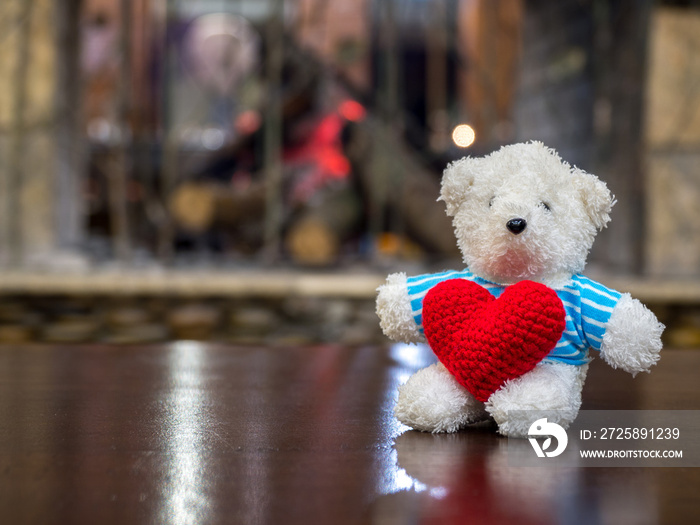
x=673, y=144
x=556, y=88
x=27, y=72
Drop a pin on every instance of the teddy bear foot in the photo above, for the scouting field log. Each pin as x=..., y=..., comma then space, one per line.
x=551, y=390
x=433, y=401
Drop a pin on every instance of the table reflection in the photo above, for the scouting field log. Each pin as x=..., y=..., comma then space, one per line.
x=185, y=423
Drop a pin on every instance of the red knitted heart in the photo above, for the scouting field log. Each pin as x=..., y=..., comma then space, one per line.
x=484, y=341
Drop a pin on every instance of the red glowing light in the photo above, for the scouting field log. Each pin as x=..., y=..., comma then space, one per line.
x=248, y=122
x=352, y=110
x=334, y=163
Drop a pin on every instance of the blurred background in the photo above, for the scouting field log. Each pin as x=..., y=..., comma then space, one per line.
x=250, y=170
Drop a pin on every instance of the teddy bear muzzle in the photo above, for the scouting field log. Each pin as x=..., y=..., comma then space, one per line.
x=516, y=226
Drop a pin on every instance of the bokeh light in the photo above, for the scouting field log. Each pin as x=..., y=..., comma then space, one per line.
x=463, y=135
x=352, y=110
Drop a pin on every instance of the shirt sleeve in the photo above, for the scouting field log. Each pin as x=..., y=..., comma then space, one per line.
x=597, y=304
x=419, y=285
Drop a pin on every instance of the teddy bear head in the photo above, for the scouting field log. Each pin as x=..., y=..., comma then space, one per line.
x=523, y=213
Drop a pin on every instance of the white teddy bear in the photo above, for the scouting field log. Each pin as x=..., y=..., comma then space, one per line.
x=521, y=213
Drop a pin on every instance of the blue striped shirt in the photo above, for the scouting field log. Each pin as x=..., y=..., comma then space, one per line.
x=588, y=307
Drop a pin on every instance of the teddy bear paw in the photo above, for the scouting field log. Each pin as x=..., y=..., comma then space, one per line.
x=433, y=401
x=394, y=310
x=632, y=340
x=551, y=390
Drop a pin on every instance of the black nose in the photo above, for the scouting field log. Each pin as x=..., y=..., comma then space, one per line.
x=516, y=226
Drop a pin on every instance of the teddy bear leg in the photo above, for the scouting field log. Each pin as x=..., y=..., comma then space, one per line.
x=433, y=401
x=551, y=389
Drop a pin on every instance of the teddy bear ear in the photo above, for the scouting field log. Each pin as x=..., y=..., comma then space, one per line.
x=596, y=197
x=457, y=182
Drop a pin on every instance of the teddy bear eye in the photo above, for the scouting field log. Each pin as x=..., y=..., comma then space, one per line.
x=545, y=206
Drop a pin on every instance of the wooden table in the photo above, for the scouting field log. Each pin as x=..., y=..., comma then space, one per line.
x=197, y=433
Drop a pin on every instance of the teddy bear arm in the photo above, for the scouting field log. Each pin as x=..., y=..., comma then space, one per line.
x=394, y=310
x=632, y=339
